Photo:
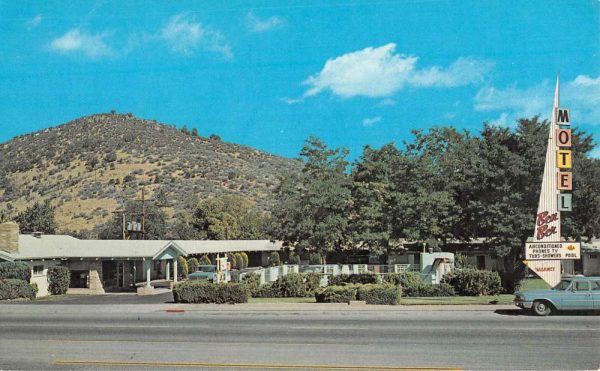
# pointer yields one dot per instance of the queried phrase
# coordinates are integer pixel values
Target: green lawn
(458, 300)
(451, 300)
(529, 284)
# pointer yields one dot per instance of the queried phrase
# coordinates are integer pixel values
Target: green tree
(369, 219)
(227, 218)
(195, 132)
(312, 208)
(37, 218)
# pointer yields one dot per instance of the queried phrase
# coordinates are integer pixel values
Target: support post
(168, 273)
(175, 270)
(148, 267)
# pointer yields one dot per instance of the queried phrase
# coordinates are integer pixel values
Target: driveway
(112, 298)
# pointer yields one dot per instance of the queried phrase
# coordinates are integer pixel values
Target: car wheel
(542, 308)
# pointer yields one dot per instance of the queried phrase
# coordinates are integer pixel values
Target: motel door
(120, 275)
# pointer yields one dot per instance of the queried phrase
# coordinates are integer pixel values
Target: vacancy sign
(548, 270)
(552, 250)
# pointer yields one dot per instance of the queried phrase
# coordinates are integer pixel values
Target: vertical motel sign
(564, 160)
(546, 251)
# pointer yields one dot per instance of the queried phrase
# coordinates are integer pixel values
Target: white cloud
(387, 102)
(292, 100)
(381, 72)
(370, 121)
(256, 24)
(581, 96)
(76, 40)
(34, 22)
(184, 34)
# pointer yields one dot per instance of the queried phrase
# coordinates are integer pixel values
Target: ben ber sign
(552, 250)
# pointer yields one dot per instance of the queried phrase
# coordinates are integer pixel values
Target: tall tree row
(443, 185)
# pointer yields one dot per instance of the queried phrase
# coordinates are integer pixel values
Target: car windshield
(562, 285)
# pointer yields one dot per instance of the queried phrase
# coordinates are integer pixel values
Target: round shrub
(15, 270)
(193, 265)
(204, 260)
(383, 294)
(58, 280)
(252, 281)
(244, 259)
(182, 267)
(337, 294)
(315, 259)
(312, 282)
(239, 261)
(15, 289)
(290, 286)
(293, 259)
(473, 282)
(274, 259)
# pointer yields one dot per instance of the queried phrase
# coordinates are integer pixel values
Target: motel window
(593, 256)
(38, 269)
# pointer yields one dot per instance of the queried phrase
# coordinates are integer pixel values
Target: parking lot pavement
(111, 298)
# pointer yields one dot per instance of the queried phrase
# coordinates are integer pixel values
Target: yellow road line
(242, 365)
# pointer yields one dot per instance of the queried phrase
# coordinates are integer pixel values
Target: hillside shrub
(473, 282)
(252, 282)
(342, 279)
(382, 294)
(15, 270)
(15, 288)
(58, 280)
(337, 294)
(193, 265)
(207, 292)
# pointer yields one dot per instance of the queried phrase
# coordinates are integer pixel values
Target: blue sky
(269, 74)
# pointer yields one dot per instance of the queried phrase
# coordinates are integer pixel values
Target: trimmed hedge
(364, 278)
(383, 294)
(292, 285)
(312, 282)
(59, 278)
(413, 285)
(208, 292)
(14, 289)
(337, 294)
(252, 282)
(473, 282)
(266, 291)
(15, 270)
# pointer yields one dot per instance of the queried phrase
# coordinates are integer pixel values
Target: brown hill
(87, 166)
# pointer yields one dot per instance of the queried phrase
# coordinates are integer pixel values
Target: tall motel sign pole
(545, 253)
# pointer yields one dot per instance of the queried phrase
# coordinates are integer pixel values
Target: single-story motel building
(99, 266)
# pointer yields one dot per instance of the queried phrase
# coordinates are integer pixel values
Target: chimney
(9, 237)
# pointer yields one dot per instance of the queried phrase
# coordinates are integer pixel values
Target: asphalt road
(149, 337)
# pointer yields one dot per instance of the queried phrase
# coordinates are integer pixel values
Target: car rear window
(595, 285)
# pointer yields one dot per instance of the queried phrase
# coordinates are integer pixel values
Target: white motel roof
(67, 247)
